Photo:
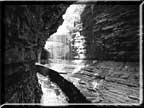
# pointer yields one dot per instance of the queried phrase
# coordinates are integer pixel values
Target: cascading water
(67, 53)
(67, 45)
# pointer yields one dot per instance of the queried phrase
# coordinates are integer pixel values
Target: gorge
(88, 49)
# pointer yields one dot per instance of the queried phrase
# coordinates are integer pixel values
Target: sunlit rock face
(66, 47)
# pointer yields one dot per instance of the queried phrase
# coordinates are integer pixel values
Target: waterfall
(67, 53)
(67, 45)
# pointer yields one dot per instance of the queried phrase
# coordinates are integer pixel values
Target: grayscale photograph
(56, 53)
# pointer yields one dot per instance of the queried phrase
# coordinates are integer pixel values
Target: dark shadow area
(22, 86)
(25, 27)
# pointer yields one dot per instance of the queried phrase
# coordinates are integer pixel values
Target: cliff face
(27, 27)
(112, 31)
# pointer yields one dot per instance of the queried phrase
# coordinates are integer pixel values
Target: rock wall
(27, 27)
(112, 31)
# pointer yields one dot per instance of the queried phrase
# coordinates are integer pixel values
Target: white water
(50, 97)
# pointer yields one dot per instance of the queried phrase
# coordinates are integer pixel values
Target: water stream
(67, 53)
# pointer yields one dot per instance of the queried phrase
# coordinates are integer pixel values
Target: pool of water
(66, 66)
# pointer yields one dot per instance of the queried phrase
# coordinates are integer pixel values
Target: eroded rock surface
(109, 82)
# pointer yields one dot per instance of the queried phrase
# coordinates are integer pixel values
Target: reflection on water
(65, 66)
